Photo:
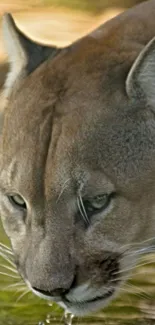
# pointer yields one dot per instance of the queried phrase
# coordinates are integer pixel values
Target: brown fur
(81, 124)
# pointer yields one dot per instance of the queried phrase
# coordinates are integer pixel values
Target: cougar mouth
(98, 298)
(82, 308)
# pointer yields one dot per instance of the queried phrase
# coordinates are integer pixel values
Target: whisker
(143, 294)
(125, 270)
(7, 259)
(8, 254)
(140, 272)
(10, 275)
(145, 263)
(4, 250)
(122, 278)
(146, 250)
(79, 207)
(13, 285)
(82, 209)
(22, 295)
(6, 247)
(21, 289)
(129, 292)
(137, 243)
(63, 189)
(134, 267)
(9, 268)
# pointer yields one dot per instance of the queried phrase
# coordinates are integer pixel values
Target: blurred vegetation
(95, 6)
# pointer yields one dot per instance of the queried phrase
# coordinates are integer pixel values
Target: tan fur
(80, 123)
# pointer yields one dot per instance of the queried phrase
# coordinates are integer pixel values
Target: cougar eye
(97, 204)
(17, 201)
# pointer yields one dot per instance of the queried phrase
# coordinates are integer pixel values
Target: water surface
(135, 305)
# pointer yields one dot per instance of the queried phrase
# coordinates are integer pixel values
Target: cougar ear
(141, 78)
(24, 54)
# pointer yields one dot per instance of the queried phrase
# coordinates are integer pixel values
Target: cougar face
(77, 160)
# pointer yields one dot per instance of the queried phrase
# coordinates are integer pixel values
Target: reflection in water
(68, 318)
(48, 319)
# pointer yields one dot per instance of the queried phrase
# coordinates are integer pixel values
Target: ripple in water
(67, 319)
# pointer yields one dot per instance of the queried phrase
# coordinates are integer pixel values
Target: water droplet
(48, 317)
(50, 304)
(68, 317)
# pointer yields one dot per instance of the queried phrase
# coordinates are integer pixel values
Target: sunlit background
(61, 22)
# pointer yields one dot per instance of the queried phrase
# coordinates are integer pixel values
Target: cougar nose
(57, 293)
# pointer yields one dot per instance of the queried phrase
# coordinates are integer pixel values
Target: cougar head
(77, 165)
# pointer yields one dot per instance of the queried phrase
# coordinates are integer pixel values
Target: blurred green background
(61, 21)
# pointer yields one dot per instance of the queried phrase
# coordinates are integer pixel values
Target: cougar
(77, 158)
